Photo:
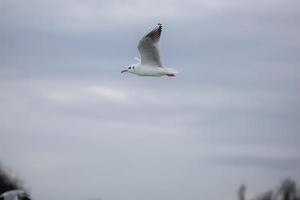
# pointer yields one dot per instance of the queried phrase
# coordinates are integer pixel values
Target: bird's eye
(129, 68)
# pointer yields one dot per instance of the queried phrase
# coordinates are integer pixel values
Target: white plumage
(150, 63)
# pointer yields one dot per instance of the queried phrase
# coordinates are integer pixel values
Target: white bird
(150, 63)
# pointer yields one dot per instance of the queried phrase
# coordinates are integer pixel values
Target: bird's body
(150, 63)
(146, 70)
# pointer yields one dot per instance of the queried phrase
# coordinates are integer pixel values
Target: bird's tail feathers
(171, 70)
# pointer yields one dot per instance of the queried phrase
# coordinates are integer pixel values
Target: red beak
(125, 70)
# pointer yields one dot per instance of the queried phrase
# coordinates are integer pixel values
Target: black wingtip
(159, 27)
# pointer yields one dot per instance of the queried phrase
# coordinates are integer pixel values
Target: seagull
(150, 63)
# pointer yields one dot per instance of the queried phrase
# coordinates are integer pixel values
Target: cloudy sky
(72, 127)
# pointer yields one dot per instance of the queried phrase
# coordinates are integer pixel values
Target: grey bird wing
(148, 48)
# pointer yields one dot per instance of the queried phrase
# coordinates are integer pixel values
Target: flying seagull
(150, 63)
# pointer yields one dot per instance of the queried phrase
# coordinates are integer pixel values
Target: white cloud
(109, 93)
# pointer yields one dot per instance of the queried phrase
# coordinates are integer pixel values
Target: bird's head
(129, 69)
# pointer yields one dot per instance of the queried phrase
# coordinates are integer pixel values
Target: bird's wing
(148, 48)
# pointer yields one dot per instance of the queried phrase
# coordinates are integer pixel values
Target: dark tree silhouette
(8, 182)
(242, 192)
(288, 189)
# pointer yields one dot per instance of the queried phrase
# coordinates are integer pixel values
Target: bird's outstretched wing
(148, 47)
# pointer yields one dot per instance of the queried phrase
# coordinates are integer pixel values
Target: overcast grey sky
(74, 128)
